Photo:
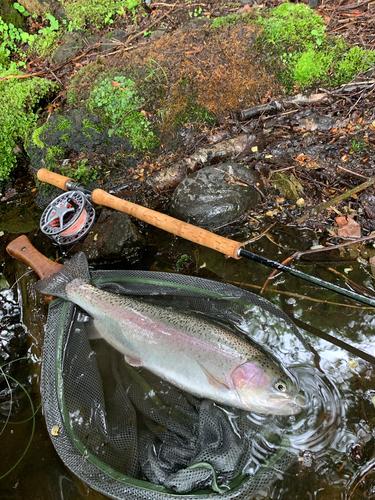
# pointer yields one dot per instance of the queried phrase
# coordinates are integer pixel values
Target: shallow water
(333, 437)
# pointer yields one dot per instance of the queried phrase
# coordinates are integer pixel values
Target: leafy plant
(45, 43)
(82, 172)
(98, 13)
(118, 103)
(21, 9)
(19, 100)
(10, 36)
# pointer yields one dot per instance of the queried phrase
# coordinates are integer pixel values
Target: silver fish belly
(189, 351)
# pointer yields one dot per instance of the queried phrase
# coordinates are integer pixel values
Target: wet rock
(114, 236)
(113, 38)
(216, 195)
(170, 178)
(76, 131)
(316, 121)
(71, 43)
(9, 14)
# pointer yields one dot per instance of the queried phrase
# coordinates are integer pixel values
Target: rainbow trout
(190, 352)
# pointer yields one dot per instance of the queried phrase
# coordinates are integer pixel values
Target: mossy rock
(10, 15)
(78, 132)
(38, 7)
(71, 43)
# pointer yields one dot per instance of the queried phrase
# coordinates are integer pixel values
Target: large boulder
(114, 236)
(217, 195)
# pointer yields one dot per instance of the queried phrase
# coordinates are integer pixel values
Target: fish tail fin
(55, 285)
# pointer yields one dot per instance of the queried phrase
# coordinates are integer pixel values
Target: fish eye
(280, 386)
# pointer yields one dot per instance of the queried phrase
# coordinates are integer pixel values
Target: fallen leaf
(347, 227)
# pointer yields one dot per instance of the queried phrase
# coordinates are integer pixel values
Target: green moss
(82, 171)
(98, 13)
(220, 22)
(54, 154)
(84, 81)
(93, 126)
(19, 100)
(292, 25)
(353, 62)
(65, 137)
(36, 136)
(72, 97)
(64, 124)
(116, 102)
(302, 53)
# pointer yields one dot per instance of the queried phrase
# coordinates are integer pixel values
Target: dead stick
(353, 173)
(353, 5)
(259, 235)
(339, 198)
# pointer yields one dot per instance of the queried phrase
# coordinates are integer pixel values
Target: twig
(56, 78)
(352, 173)
(131, 38)
(362, 475)
(259, 235)
(298, 296)
(338, 199)
(353, 284)
(318, 250)
(353, 5)
(56, 68)
(276, 106)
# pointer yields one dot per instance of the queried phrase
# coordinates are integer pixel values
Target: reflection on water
(333, 437)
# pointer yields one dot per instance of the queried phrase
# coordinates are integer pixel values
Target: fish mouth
(288, 406)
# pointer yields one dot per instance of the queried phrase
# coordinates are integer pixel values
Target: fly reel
(68, 218)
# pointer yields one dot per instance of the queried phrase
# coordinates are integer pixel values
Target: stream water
(333, 438)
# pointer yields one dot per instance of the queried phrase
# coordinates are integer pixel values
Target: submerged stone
(71, 43)
(114, 236)
(216, 195)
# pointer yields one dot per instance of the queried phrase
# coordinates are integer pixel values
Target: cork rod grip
(57, 180)
(162, 221)
(170, 224)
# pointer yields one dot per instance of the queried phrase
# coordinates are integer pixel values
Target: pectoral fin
(133, 361)
(215, 382)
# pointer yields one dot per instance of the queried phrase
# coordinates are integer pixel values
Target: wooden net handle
(162, 221)
(22, 249)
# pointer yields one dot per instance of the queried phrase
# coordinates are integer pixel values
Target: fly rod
(70, 216)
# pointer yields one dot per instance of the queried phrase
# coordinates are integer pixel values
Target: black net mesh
(131, 435)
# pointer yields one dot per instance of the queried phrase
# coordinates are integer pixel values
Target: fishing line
(11, 400)
(32, 411)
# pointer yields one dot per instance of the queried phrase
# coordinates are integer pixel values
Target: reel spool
(68, 218)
